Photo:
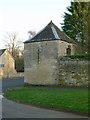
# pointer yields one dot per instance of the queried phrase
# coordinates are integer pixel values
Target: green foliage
(80, 56)
(62, 99)
(19, 64)
(76, 23)
(89, 29)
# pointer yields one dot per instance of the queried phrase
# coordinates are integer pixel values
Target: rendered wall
(9, 65)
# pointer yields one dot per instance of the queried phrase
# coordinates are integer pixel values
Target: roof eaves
(2, 51)
(43, 40)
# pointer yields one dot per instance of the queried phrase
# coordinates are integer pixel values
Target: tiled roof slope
(2, 51)
(49, 33)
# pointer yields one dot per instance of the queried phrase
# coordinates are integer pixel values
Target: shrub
(80, 56)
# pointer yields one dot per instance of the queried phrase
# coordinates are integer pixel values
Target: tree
(31, 34)
(76, 23)
(13, 44)
(89, 28)
(19, 64)
(15, 47)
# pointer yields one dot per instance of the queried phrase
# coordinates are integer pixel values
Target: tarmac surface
(12, 109)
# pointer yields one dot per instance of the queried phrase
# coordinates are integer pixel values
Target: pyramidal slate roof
(2, 51)
(49, 33)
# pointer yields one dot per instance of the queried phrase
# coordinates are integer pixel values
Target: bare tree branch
(13, 43)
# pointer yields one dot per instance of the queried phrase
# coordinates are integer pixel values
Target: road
(10, 83)
(12, 109)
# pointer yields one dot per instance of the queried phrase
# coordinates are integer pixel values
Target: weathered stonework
(73, 72)
(41, 67)
(41, 55)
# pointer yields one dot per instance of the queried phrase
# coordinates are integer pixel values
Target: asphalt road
(10, 83)
(12, 109)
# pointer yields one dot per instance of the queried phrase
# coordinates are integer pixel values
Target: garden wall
(73, 72)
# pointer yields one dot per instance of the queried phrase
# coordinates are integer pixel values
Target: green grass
(75, 100)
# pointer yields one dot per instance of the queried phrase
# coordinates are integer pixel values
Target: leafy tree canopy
(76, 22)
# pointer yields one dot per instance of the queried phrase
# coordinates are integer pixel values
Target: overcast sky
(23, 15)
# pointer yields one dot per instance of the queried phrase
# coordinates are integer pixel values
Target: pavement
(1, 106)
(12, 109)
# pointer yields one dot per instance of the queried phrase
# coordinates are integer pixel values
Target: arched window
(68, 50)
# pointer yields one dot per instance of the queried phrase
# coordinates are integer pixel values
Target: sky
(21, 16)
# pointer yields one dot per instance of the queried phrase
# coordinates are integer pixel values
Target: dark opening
(68, 50)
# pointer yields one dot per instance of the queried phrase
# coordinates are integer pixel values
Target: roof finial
(51, 21)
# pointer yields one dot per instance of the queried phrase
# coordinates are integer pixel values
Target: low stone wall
(73, 72)
(19, 74)
(16, 75)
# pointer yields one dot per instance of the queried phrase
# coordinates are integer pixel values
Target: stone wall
(62, 46)
(40, 62)
(73, 72)
(43, 64)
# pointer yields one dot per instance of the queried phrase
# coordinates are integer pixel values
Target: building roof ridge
(48, 33)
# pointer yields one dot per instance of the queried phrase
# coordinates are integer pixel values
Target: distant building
(7, 64)
(41, 54)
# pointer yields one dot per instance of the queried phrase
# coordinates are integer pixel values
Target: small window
(68, 50)
(1, 65)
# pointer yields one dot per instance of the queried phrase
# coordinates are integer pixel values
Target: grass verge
(75, 100)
